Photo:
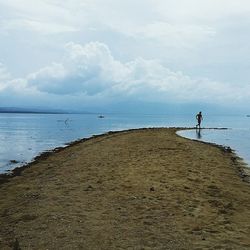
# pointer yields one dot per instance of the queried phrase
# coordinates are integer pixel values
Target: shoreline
(240, 164)
(142, 189)
(242, 167)
(4, 177)
(17, 171)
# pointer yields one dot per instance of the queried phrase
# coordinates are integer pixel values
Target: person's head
(200, 112)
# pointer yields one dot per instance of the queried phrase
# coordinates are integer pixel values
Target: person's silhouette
(199, 118)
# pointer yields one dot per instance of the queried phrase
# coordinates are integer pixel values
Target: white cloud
(176, 35)
(142, 46)
(42, 27)
(44, 17)
(166, 29)
(196, 11)
(88, 69)
(4, 77)
(164, 21)
(91, 70)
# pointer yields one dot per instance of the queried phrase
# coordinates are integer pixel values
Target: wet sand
(138, 189)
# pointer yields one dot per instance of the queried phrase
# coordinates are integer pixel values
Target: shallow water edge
(239, 164)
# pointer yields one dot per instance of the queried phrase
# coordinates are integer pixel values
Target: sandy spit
(138, 189)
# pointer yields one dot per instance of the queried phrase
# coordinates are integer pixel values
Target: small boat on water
(101, 116)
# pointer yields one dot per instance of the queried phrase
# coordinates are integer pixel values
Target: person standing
(199, 118)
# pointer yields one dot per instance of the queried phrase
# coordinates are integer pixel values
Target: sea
(25, 136)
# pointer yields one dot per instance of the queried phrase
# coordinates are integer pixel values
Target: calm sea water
(23, 136)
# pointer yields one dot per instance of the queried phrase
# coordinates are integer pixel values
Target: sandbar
(135, 189)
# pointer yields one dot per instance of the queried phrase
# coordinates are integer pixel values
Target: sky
(126, 55)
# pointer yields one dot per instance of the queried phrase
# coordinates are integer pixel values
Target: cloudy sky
(113, 54)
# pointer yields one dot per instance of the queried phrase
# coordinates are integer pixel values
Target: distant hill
(31, 110)
(40, 111)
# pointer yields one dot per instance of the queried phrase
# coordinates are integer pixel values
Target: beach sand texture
(139, 189)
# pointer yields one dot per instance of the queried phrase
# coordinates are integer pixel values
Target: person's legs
(199, 124)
